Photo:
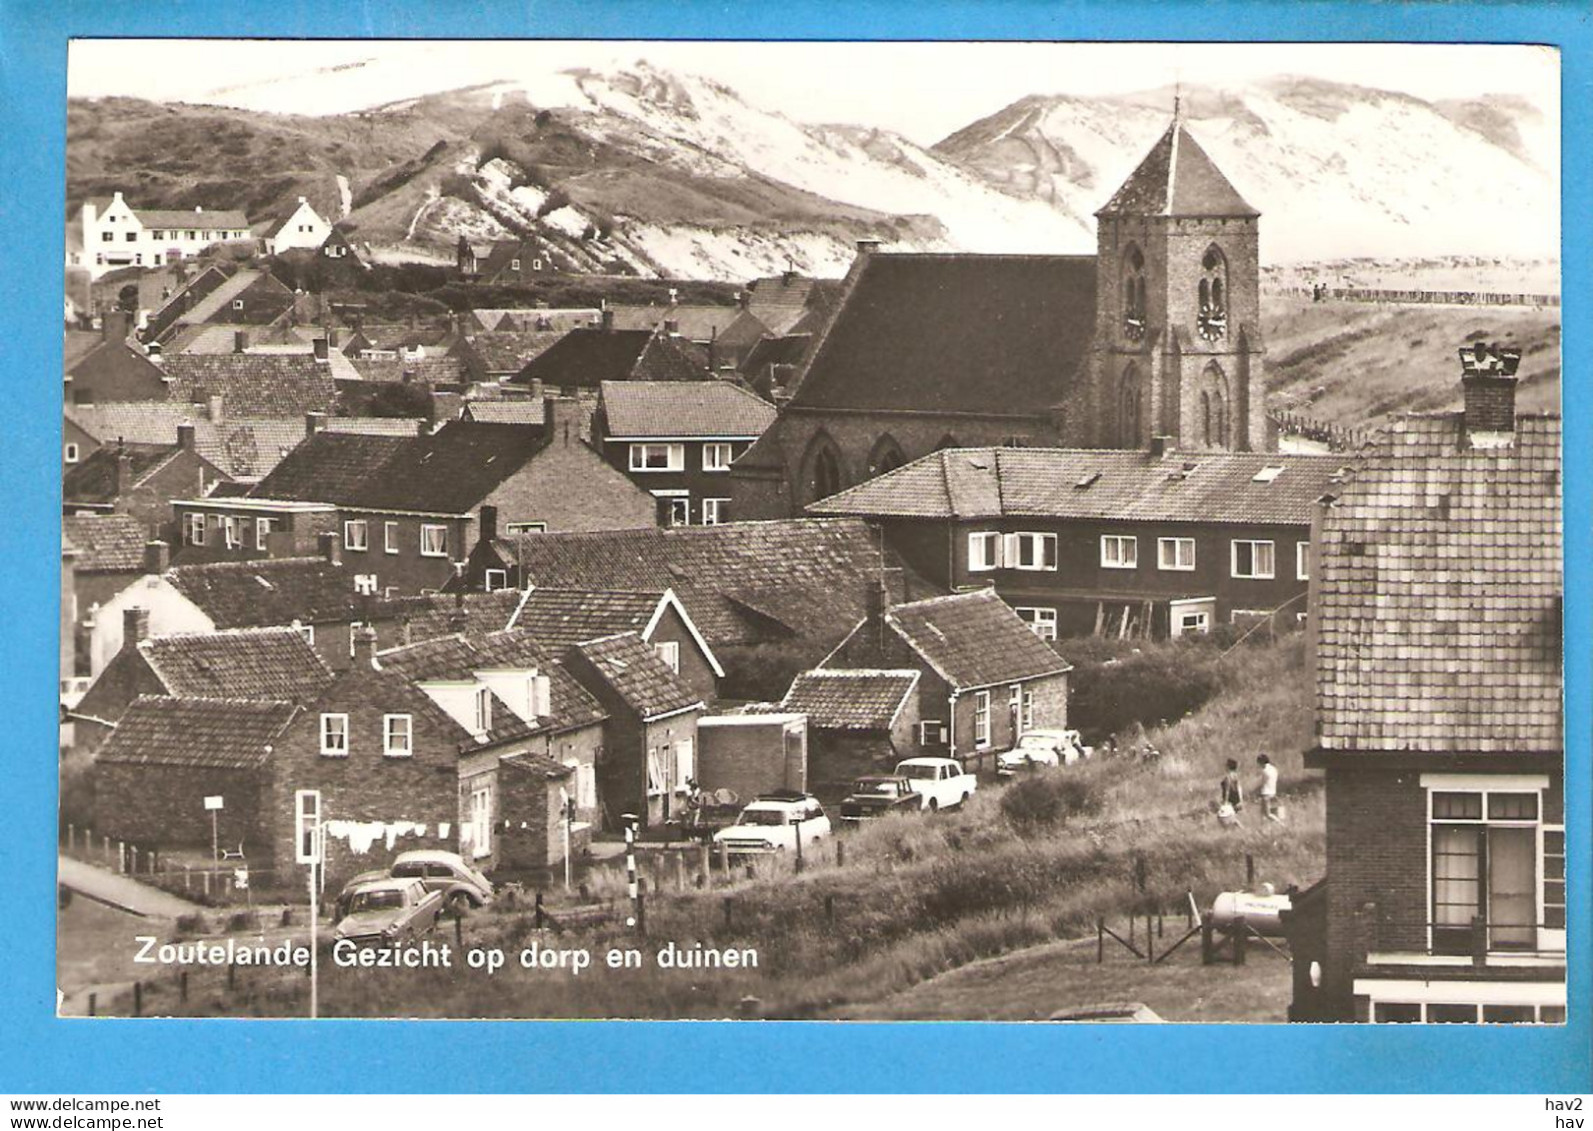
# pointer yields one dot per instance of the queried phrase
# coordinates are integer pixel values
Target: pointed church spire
(1177, 178)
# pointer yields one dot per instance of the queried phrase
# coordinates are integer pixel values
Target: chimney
(867, 247)
(157, 558)
(320, 347)
(365, 646)
(331, 338)
(240, 341)
(560, 417)
(326, 545)
(489, 523)
(788, 276)
(608, 321)
(458, 618)
(1161, 446)
(744, 298)
(674, 296)
(124, 473)
(185, 436)
(1488, 380)
(874, 602)
(135, 626)
(303, 201)
(116, 198)
(213, 409)
(671, 328)
(314, 422)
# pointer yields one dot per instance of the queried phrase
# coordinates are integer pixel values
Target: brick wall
(748, 758)
(694, 669)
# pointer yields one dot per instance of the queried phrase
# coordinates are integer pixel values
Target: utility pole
(630, 820)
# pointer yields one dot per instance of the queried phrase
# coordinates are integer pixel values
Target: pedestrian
(1269, 788)
(1231, 796)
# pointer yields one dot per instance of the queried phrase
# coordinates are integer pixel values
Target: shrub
(191, 925)
(1154, 684)
(1045, 800)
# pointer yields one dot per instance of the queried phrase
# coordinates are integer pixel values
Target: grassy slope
(916, 897)
(1355, 364)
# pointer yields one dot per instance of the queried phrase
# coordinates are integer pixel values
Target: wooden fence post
(707, 865)
(1250, 869)
(459, 932)
(829, 908)
(1100, 940)
(138, 999)
(93, 1004)
(641, 913)
(182, 986)
(840, 853)
(728, 904)
(540, 917)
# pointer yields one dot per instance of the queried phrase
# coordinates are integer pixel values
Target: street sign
(215, 802)
(307, 826)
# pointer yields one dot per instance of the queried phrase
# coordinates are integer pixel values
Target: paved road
(122, 892)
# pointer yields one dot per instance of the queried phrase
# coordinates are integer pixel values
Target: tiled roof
(850, 699)
(588, 357)
(374, 425)
(698, 322)
(535, 318)
(249, 663)
(450, 470)
(1438, 595)
(160, 730)
(77, 344)
(428, 370)
(247, 449)
(670, 359)
(537, 765)
(557, 618)
(229, 219)
(791, 349)
(93, 481)
(274, 591)
(329, 467)
(521, 410)
(501, 351)
(683, 409)
(974, 639)
(781, 300)
(135, 422)
(275, 385)
(816, 572)
(1126, 486)
(242, 280)
(1176, 178)
(936, 333)
(106, 543)
(431, 616)
(637, 675)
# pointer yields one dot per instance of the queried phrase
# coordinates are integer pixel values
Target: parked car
(775, 822)
(874, 795)
(461, 886)
(1111, 1012)
(386, 911)
(941, 782)
(1037, 748)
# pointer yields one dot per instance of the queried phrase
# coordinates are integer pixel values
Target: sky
(923, 90)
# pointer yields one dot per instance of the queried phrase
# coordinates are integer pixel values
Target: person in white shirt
(1269, 788)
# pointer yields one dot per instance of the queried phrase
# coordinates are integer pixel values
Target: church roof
(1177, 178)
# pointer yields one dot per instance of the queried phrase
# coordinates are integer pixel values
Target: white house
(111, 233)
(304, 228)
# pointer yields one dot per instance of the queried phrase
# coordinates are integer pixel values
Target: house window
(685, 764)
(514, 265)
(1252, 559)
(237, 304)
(658, 457)
(193, 235)
(196, 530)
(1186, 621)
(497, 579)
(1175, 553)
(481, 821)
(1119, 551)
(71, 453)
(1302, 560)
(932, 732)
(334, 736)
(1465, 1013)
(669, 652)
(514, 528)
(680, 511)
(262, 531)
(1028, 710)
(981, 719)
(107, 237)
(1485, 868)
(131, 237)
(1030, 551)
(398, 736)
(158, 234)
(356, 535)
(714, 511)
(716, 457)
(231, 532)
(390, 537)
(655, 773)
(536, 265)
(433, 541)
(1041, 619)
(483, 710)
(984, 551)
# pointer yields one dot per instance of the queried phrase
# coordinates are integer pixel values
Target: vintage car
(461, 886)
(386, 911)
(941, 782)
(874, 795)
(775, 822)
(1036, 748)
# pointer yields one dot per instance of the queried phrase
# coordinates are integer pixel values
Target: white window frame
(398, 727)
(1041, 619)
(330, 749)
(928, 737)
(642, 457)
(679, 510)
(231, 532)
(669, 652)
(196, 528)
(1175, 564)
(1254, 544)
(515, 528)
(656, 778)
(356, 535)
(1035, 546)
(1119, 551)
(1027, 721)
(1302, 561)
(480, 821)
(496, 579)
(390, 536)
(483, 705)
(514, 265)
(685, 763)
(722, 453)
(71, 453)
(262, 531)
(237, 304)
(984, 551)
(981, 720)
(426, 529)
(713, 511)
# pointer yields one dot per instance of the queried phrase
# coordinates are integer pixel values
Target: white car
(775, 822)
(1037, 748)
(941, 782)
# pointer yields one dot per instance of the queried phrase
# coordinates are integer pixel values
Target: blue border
(39, 1053)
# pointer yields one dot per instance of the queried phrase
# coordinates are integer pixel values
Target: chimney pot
(314, 422)
(135, 626)
(608, 321)
(213, 409)
(240, 341)
(320, 347)
(671, 328)
(1488, 382)
(185, 436)
(489, 523)
(365, 646)
(1160, 446)
(867, 246)
(327, 546)
(124, 471)
(157, 557)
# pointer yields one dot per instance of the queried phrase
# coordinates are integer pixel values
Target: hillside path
(121, 892)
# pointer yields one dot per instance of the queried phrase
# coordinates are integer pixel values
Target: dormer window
(1212, 317)
(1134, 295)
(483, 710)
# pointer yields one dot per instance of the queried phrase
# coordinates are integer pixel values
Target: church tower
(1178, 340)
